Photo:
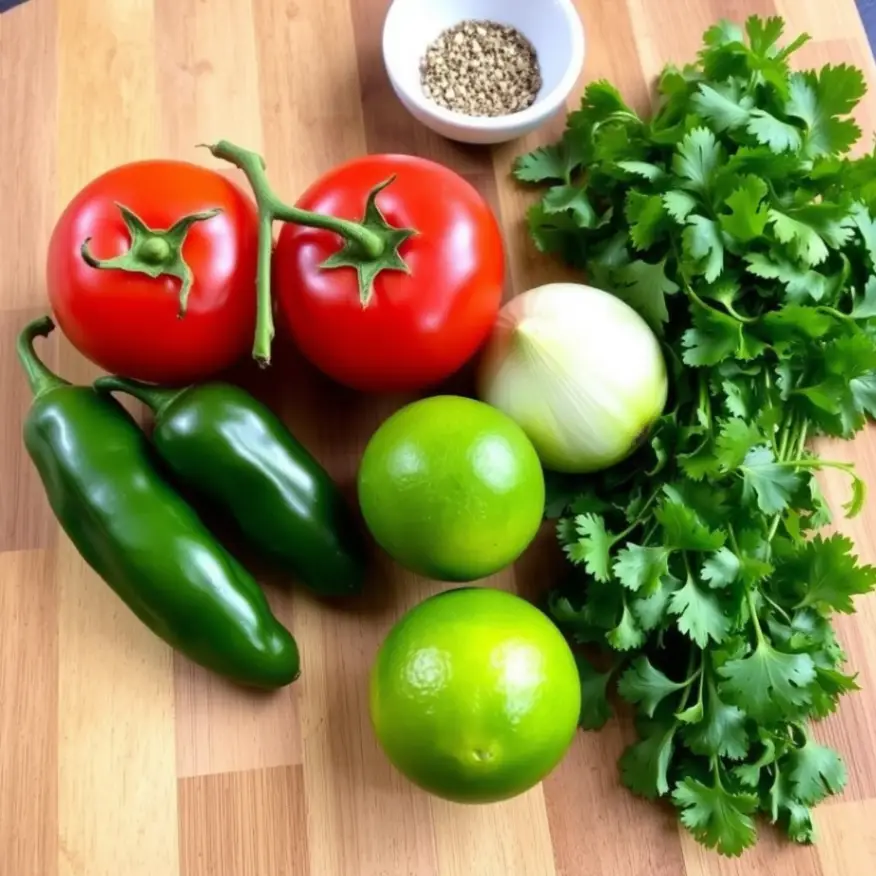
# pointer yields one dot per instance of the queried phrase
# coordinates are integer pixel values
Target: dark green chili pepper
(133, 529)
(235, 454)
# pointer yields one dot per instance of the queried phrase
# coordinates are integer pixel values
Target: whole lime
(475, 695)
(451, 488)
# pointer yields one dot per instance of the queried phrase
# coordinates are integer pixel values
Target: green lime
(451, 488)
(475, 695)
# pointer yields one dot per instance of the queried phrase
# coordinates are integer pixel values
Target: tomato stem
(370, 246)
(152, 251)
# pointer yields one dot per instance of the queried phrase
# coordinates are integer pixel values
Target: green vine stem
(369, 246)
(154, 252)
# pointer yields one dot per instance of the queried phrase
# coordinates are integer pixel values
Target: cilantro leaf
(714, 337)
(717, 817)
(679, 205)
(650, 611)
(762, 161)
(764, 33)
(748, 774)
(641, 568)
(824, 574)
(722, 33)
(867, 229)
(819, 99)
(720, 569)
(736, 438)
(785, 807)
(642, 684)
(697, 160)
(866, 308)
(831, 684)
(699, 614)
(602, 102)
(779, 136)
(768, 684)
(644, 169)
(800, 283)
(748, 215)
(644, 765)
(724, 110)
(551, 232)
(683, 529)
(644, 286)
(768, 480)
(646, 215)
(815, 772)
(571, 198)
(595, 709)
(586, 623)
(703, 245)
(627, 634)
(542, 164)
(787, 325)
(804, 240)
(592, 546)
(722, 732)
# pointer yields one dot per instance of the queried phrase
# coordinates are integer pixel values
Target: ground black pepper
(481, 68)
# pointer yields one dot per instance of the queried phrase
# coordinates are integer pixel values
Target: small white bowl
(552, 26)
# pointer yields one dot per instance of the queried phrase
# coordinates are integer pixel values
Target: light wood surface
(118, 757)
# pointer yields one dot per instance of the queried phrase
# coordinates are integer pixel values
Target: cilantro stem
(768, 395)
(774, 526)
(789, 439)
(649, 534)
(776, 606)
(687, 568)
(752, 610)
(690, 677)
(706, 403)
(733, 543)
(801, 441)
(702, 674)
(786, 437)
(716, 772)
(643, 513)
(688, 290)
(817, 464)
(838, 314)
(747, 320)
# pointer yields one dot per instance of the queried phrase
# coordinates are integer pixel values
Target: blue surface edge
(867, 8)
(6, 5)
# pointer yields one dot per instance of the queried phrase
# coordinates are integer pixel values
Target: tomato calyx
(153, 252)
(370, 245)
(387, 256)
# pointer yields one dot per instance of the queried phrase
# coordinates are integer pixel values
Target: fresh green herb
(735, 222)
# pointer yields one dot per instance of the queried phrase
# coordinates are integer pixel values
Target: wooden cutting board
(118, 758)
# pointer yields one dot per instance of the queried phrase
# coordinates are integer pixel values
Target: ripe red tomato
(130, 323)
(417, 327)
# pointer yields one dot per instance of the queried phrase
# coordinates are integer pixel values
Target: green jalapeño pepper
(231, 451)
(148, 545)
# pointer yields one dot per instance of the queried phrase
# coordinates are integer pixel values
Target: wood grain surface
(119, 757)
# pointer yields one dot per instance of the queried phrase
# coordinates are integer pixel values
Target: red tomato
(417, 328)
(129, 323)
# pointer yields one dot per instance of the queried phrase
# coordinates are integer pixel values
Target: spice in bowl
(481, 68)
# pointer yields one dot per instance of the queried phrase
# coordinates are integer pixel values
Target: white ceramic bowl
(552, 26)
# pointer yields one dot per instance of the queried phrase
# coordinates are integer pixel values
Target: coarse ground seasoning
(481, 68)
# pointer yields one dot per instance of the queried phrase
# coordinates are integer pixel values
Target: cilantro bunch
(735, 222)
